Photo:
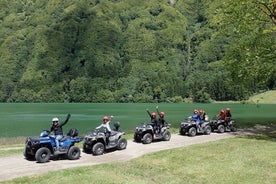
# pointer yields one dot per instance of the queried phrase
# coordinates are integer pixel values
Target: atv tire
(233, 128)
(147, 138)
(98, 149)
(192, 131)
(73, 153)
(207, 130)
(221, 128)
(42, 155)
(182, 132)
(137, 138)
(166, 136)
(122, 144)
(28, 156)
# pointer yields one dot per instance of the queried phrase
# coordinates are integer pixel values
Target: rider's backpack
(73, 132)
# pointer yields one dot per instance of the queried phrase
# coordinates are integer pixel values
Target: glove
(68, 116)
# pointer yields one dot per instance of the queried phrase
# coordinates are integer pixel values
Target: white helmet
(55, 119)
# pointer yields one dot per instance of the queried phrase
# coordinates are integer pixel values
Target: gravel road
(17, 166)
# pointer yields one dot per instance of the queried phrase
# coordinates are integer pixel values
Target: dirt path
(16, 166)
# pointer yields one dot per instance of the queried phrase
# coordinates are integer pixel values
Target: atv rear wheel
(221, 128)
(122, 144)
(98, 149)
(73, 153)
(192, 131)
(233, 128)
(147, 138)
(208, 130)
(167, 136)
(42, 155)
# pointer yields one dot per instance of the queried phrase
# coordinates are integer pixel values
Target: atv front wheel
(122, 144)
(192, 131)
(167, 136)
(28, 156)
(182, 131)
(42, 155)
(98, 149)
(221, 128)
(147, 138)
(137, 138)
(73, 153)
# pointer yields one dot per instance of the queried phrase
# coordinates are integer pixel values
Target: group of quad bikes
(42, 148)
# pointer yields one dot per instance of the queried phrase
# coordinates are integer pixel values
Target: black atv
(223, 126)
(189, 127)
(95, 142)
(145, 133)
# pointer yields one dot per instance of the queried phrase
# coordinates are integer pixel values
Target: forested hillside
(136, 50)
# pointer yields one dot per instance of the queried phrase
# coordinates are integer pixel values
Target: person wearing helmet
(228, 116)
(153, 121)
(196, 118)
(57, 129)
(161, 120)
(106, 125)
(221, 115)
(228, 113)
(202, 115)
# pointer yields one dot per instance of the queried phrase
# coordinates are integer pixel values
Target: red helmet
(105, 118)
(195, 111)
(162, 114)
(153, 115)
(222, 111)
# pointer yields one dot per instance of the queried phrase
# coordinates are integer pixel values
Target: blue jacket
(196, 118)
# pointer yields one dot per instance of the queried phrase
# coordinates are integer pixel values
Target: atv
(145, 133)
(190, 127)
(95, 142)
(41, 148)
(223, 126)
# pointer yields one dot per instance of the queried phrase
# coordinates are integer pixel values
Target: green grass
(244, 160)
(268, 97)
(29, 119)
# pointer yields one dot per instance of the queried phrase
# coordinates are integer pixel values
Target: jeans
(57, 138)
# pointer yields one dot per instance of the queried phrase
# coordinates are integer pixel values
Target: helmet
(162, 114)
(227, 109)
(222, 111)
(105, 118)
(55, 119)
(195, 111)
(153, 115)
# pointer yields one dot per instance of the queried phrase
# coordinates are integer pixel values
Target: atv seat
(113, 133)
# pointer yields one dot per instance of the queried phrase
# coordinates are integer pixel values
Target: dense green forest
(136, 50)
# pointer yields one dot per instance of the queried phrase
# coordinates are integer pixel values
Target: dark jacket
(57, 129)
(153, 121)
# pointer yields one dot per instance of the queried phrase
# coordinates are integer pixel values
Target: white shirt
(105, 125)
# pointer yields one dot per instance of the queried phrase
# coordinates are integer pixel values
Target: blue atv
(41, 148)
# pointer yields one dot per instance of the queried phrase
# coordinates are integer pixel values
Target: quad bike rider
(223, 122)
(104, 138)
(155, 130)
(195, 125)
(42, 147)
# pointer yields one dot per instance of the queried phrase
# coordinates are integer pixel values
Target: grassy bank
(236, 160)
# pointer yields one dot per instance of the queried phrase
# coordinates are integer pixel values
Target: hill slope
(268, 97)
